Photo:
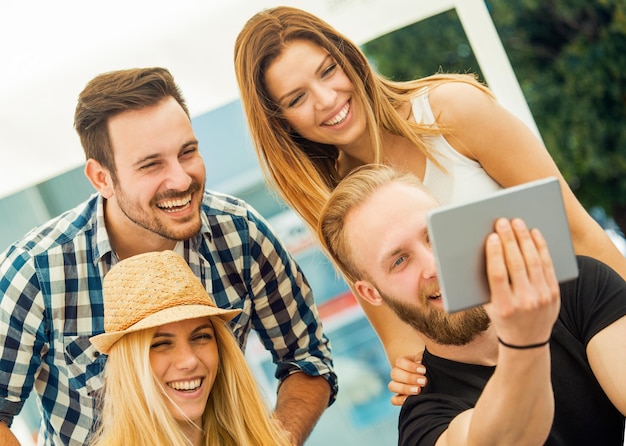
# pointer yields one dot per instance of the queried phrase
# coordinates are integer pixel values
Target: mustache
(173, 194)
(429, 290)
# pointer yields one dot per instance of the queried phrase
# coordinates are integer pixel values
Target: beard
(444, 328)
(150, 220)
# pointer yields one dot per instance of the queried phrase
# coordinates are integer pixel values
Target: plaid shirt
(51, 303)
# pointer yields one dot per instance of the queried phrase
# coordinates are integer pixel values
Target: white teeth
(185, 385)
(168, 204)
(340, 116)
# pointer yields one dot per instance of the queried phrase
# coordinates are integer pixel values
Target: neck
(192, 432)
(482, 350)
(396, 150)
(128, 239)
(361, 152)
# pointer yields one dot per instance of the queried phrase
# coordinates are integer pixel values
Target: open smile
(186, 386)
(339, 117)
(436, 296)
(175, 205)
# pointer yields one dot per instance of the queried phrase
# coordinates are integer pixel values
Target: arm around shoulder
(399, 339)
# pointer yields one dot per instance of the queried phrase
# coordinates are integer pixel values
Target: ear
(99, 177)
(368, 292)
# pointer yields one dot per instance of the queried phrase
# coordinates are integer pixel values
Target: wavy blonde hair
(134, 411)
(301, 171)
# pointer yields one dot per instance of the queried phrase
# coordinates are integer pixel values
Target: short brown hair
(112, 93)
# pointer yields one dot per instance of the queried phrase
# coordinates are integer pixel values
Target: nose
(185, 357)
(427, 261)
(325, 96)
(177, 177)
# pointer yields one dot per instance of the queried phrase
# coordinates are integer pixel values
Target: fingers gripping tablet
(458, 233)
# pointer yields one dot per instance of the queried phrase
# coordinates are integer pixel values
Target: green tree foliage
(570, 60)
(437, 44)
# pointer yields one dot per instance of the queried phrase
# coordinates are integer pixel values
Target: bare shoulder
(457, 102)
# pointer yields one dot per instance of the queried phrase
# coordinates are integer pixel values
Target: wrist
(524, 347)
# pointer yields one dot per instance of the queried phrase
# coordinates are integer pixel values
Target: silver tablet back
(458, 232)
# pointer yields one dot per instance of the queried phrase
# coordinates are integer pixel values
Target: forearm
(300, 403)
(399, 339)
(516, 406)
(6, 436)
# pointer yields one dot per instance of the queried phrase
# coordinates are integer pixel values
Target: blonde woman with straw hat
(175, 374)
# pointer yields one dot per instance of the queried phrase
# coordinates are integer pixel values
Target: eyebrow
(154, 156)
(390, 255)
(396, 250)
(319, 68)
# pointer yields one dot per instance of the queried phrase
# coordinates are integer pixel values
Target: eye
(189, 151)
(399, 261)
(329, 70)
(148, 166)
(160, 344)
(295, 101)
(203, 337)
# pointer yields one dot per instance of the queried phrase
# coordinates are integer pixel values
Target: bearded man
(542, 363)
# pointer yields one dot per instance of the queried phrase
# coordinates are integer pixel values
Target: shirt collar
(101, 244)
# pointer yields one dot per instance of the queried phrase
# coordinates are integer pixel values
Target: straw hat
(149, 290)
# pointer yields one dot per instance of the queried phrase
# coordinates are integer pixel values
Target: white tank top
(463, 179)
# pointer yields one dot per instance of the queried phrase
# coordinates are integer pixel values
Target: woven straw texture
(149, 290)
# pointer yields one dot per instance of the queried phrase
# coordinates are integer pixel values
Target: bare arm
(398, 338)
(517, 405)
(301, 401)
(403, 346)
(408, 377)
(606, 353)
(508, 150)
(486, 132)
(6, 436)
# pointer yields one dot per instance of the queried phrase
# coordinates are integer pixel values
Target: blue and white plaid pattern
(51, 303)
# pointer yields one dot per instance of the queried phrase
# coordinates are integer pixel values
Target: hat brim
(103, 342)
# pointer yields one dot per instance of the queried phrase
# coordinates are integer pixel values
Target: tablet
(458, 233)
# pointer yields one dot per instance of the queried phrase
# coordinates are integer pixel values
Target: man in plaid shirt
(143, 159)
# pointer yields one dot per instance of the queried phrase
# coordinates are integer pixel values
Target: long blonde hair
(304, 172)
(134, 412)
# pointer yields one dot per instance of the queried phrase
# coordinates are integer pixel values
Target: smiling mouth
(339, 117)
(175, 205)
(435, 296)
(186, 386)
